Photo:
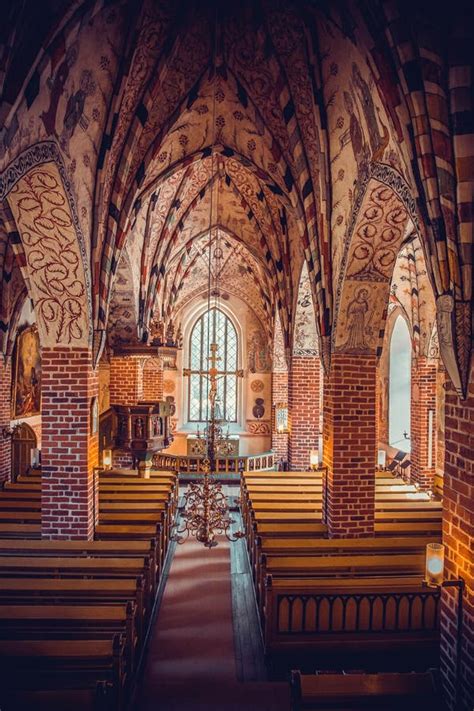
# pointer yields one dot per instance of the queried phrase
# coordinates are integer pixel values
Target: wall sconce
(434, 577)
(107, 459)
(434, 566)
(314, 459)
(281, 418)
(381, 459)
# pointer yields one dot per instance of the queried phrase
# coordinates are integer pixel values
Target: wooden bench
(337, 566)
(33, 664)
(77, 591)
(72, 621)
(123, 548)
(99, 698)
(274, 546)
(409, 528)
(384, 692)
(358, 622)
(20, 530)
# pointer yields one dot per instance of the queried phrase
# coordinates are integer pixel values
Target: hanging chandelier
(206, 512)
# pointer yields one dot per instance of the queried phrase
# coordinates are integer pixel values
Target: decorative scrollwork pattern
(43, 216)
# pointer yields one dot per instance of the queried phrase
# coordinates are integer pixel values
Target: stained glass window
(213, 327)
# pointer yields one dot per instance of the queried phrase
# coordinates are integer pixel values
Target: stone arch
(45, 233)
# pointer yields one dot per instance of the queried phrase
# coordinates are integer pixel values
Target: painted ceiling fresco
(330, 137)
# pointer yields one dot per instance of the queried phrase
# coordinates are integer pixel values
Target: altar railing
(227, 465)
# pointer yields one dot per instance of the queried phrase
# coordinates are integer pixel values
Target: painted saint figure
(356, 315)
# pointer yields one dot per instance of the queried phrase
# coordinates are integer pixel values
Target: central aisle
(190, 661)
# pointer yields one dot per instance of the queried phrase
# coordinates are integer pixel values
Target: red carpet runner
(190, 664)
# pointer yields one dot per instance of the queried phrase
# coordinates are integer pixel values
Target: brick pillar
(279, 396)
(126, 380)
(69, 448)
(303, 410)
(153, 380)
(458, 537)
(349, 444)
(5, 414)
(423, 401)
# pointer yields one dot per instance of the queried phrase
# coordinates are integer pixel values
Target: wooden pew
(384, 692)
(274, 546)
(63, 567)
(33, 664)
(99, 698)
(77, 591)
(371, 622)
(72, 621)
(340, 566)
(124, 548)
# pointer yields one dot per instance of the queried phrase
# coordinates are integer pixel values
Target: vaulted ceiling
(320, 134)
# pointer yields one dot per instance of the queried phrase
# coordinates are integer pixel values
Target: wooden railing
(224, 465)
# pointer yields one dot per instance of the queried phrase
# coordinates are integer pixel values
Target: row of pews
(341, 603)
(74, 614)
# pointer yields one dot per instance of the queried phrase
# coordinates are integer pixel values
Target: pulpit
(143, 430)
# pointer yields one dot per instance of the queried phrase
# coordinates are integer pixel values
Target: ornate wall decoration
(39, 195)
(259, 427)
(305, 337)
(258, 410)
(258, 353)
(375, 241)
(168, 386)
(27, 375)
(257, 386)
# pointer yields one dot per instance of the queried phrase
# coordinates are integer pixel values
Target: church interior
(236, 380)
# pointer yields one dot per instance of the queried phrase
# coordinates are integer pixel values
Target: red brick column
(349, 444)
(303, 410)
(126, 380)
(423, 400)
(5, 414)
(153, 380)
(69, 448)
(458, 537)
(279, 396)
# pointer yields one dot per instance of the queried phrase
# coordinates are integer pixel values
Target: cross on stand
(213, 374)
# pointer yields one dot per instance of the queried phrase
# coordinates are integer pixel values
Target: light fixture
(314, 459)
(206, 511)
(381, 459)
(107, 459)
(434, 566)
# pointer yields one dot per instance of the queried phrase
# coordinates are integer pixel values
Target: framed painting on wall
(27, 380)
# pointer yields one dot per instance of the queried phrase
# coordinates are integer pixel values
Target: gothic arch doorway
(23, 441)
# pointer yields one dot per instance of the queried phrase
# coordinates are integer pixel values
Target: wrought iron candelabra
(206, 512)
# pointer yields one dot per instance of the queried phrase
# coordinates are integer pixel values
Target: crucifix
(213, 374)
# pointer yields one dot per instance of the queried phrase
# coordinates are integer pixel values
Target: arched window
(213, 327)
(400, 385)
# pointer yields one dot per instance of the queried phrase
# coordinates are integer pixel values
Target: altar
(195, 446)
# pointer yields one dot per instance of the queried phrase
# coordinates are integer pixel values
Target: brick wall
(5, 409)
(279, 395)
(69, 449)
(153, 380)
(121, 459)
(126, 380)
(303, 410)
(423, 399)
(458, 537)
(349, 444)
